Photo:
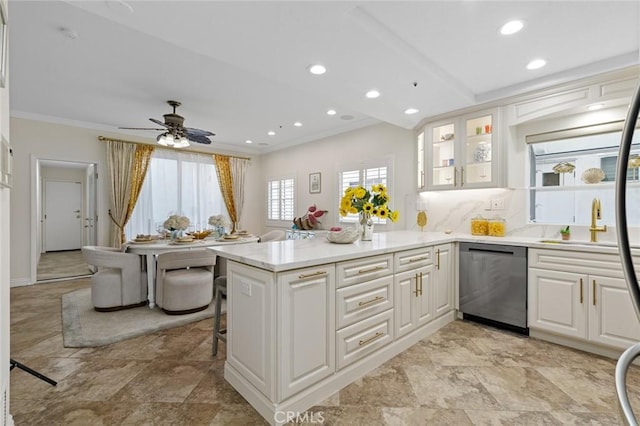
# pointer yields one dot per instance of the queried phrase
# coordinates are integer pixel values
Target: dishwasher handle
(493, 249)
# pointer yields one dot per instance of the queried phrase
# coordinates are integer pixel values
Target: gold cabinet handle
(303, 276)
(593, 288)
(368, 302)
(455, 176)
(420, 283)
(418, 259)
(581, 293)
(417, 290)
(370, 339)
(375, 268)
(461, 176)
(438, 259)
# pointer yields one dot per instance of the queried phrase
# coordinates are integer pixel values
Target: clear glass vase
(366, 223)
(176, 233)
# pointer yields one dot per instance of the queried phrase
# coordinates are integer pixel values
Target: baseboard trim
(20, 282)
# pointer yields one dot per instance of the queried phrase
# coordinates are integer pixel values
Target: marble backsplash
(453, 210)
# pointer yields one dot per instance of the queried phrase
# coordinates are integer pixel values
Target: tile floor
(465, 374)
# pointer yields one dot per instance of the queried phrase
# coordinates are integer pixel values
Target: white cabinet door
(306, 328)
(612, 318)
(558, 302)
(413, 306)
(442, 280)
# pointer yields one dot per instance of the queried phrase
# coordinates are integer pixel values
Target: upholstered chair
(184, 281)
(119, 281)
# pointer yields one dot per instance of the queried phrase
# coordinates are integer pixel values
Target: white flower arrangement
(219, 221)
(177, 223)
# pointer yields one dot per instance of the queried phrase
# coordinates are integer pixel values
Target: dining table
(151, 248)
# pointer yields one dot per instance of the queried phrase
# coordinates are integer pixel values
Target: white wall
(36, 140)
(5, 256)
(326, 156)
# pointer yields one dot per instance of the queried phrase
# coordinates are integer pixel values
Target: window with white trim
(366, 175)
(281, 199)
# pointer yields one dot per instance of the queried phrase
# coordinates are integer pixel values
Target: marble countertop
(293, 254)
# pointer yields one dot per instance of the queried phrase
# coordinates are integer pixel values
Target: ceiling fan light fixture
(181, 142)
(166, 139)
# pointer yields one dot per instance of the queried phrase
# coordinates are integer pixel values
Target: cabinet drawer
(360, 301)
(364, 337)
(413, 259)
(580, 262)
(365, 269)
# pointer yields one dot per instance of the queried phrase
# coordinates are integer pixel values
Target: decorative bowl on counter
(344, 236)
(592, 175)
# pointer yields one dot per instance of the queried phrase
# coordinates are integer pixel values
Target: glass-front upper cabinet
(460, 152)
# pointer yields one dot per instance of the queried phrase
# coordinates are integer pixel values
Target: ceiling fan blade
(140, 128)
(192, 131)
(197, 138)
(159, 122)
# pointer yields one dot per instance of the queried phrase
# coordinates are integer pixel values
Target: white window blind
(281, 199)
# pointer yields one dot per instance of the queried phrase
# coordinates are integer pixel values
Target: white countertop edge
(277, 256)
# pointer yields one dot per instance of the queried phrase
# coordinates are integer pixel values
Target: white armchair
(119, 281)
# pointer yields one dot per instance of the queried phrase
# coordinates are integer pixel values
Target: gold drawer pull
(594, 292)
(418, 259)
(375, 268)
(303, 276)
(581, 293)
(368, 302)
(370, 339)
(438, 259)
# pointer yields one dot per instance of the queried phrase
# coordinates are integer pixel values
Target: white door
(63, 215)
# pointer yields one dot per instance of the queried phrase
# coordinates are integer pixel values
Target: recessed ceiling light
(317, 69)
(331, 112)
(271, 133)
(536, 63)
(248, 141)
(297, 124)
(595, 107)
(410, 111)
(511, 27)
(372, 94)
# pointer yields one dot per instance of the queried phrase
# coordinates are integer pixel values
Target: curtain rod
(103, 138)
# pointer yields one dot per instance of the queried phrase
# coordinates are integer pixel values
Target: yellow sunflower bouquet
(372, 202)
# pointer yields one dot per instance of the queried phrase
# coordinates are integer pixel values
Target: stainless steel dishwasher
(493, 285)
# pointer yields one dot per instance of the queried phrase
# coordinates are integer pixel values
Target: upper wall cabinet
(460, 152)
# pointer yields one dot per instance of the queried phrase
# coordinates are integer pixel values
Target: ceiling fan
(175, 134)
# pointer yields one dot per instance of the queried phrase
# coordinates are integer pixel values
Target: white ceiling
(240, 68)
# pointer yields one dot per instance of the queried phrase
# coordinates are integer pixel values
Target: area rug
(82, 326)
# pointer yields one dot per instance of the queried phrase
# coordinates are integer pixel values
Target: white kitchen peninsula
(306, 317)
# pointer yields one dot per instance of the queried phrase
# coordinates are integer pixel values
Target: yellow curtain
(225, 180)
(128, 164)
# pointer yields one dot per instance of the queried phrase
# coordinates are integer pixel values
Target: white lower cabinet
(585, 305)
(443, 294)
(306, 327)
(413, 299)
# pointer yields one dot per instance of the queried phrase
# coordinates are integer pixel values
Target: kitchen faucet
(596, 214)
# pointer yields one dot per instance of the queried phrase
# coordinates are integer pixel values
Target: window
(560, 165)
(177, 183)
(281, 199)
(367, 175)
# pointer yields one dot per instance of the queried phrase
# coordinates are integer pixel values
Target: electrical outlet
(487, 205)
(497, 204)
(245, 288)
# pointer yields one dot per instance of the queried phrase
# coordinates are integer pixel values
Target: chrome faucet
(596, 214)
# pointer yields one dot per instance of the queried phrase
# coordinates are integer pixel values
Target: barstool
(220, 288)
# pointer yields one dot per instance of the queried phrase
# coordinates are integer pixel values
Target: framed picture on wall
(3, 45)
(314, 183)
